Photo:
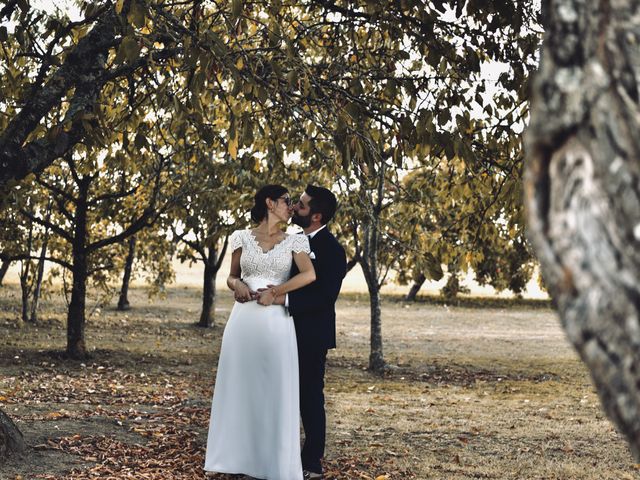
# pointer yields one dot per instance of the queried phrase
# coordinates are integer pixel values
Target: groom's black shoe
(311, 475)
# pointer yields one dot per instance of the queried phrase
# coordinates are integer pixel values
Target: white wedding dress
(255, 424)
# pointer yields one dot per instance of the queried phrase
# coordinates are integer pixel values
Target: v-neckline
(255, 240)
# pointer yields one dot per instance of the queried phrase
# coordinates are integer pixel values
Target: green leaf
(444, 117)
(292, 79)
(232, 141)
(19, 34)
(391, 88)
(397, 157)
(353, 109)
(449, 149)
(130, 49)
(207, 135)
(137, 15)
(236, 8)
(247, 131)
(433, 267)
(140, 141)
(197, 82)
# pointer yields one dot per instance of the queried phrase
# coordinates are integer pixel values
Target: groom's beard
(301, 221)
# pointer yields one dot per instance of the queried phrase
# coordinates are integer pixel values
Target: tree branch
(45, 223)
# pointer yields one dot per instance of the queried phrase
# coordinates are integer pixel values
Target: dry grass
(472, 392)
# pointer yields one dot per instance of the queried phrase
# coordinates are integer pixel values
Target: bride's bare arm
(242, 293)
(306, 276)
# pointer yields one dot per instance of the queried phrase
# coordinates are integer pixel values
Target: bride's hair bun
(259, 209)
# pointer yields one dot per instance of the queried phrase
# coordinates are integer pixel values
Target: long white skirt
(255, 424)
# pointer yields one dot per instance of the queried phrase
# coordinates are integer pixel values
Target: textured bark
(582, 190)
(209, 290)
(376, 355)
(123, 301)
(85, 72)
(11, 440)
(212, 262)
(4, 267)
(25, 286)
(83, 69)
(40, 274)
(25, 291)
(369, 264)
(415, 288)
(76, 314)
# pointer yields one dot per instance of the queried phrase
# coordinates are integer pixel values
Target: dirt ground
(492, 392)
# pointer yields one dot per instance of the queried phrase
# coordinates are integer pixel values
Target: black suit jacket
(313, 306)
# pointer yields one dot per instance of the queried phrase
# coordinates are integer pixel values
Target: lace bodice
(272, 267)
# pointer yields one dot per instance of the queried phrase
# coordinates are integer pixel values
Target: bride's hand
(267, 296)
(242, 293)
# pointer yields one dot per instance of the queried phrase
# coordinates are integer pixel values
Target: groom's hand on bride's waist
(279, 300)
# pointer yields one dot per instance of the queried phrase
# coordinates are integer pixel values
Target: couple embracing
(274, 347)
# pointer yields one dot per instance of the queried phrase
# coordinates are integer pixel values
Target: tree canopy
(391, 104)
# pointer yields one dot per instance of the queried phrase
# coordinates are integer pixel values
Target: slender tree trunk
(24, 289)
(3, 270)
(415, 288)
(582, 191)
(76, 315)
(209, 289)
(40, 274)
(11, 440)
(376, 356)
(123, 301)
(369, 266)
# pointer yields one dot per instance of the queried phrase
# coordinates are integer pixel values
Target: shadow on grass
(464, 301)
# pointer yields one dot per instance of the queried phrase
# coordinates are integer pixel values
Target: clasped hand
(243, 293)
(264, 296)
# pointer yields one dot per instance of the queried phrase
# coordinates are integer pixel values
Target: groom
(314, 315)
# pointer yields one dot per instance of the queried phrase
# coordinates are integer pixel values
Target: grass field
(487, 389)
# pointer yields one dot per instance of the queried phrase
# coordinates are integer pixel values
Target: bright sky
(68, 6)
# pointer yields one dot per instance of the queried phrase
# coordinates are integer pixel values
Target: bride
(254, 427)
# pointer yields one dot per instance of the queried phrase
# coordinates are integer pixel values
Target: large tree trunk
(415, 288)
(11, 440)
(583, 194)
(209, 289)
(76, 315)
(123, 301)
(3, 270)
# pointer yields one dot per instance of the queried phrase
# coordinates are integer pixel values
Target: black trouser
(312, 365)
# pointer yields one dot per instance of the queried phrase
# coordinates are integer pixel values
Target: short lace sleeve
(235, 240)
(300, 243)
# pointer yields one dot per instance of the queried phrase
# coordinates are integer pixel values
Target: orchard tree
(582, 191)
(340, 73)
(404, 101)
(468, 217)
(148, 255)
(211, 209)
(21, 240)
